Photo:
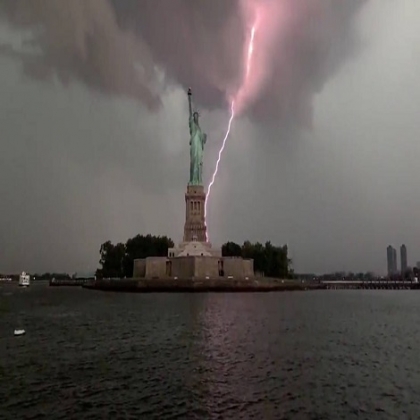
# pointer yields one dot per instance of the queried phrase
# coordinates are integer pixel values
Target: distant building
(403, 256)
(391, 257)
(394, 261)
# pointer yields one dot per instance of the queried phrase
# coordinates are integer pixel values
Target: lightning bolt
(250, 52)
(239, 93)
(216, 169)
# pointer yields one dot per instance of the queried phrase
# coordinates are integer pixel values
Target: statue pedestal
(194, 243)
(195, 227)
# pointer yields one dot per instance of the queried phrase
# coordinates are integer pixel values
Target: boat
(19, 332)
(24, 280)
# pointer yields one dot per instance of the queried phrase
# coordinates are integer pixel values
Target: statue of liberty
(197, 142)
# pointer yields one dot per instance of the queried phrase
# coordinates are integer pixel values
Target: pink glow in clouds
(260, 18)
(264, 22)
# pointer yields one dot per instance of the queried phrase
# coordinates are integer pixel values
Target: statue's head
(195, 116)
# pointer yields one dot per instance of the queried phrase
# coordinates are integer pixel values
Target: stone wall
(186, 249)
(238, 267)
(183, 267)
(193, 266)
(139, 269)
(206, 267)
(248, 265)
(156, 267)
(202, 285)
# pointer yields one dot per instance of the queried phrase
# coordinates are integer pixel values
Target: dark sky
(94, 142)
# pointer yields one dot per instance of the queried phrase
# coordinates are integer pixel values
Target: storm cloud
(116, 46)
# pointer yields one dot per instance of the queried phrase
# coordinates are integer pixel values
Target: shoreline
(191, 285)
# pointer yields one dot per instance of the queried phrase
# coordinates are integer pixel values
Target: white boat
(24, 279)
(19, 332)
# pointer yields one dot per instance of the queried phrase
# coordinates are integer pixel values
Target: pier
(371, 285)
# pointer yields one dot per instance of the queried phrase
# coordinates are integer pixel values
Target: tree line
(269, 260)
(116, 261)
(50, 276)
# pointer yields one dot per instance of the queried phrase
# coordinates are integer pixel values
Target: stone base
(194, 248)
(194, 257)
(195, 225)
(193, 267)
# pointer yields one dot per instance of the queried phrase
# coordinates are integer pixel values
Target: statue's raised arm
(190, 114)
(190, 102)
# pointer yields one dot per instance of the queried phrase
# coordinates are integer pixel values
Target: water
(300, 355)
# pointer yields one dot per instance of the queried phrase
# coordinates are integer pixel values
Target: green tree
(111, 261)
(142, 247)
(117, 260)
(231, 249)
(49, 276)
(270, 260)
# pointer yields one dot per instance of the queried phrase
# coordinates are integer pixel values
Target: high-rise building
(394, 261)
(391, 257)
(403, 256)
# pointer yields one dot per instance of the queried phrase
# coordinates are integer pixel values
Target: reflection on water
(326, 354)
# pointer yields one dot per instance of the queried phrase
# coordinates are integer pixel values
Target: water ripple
(324, 355)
